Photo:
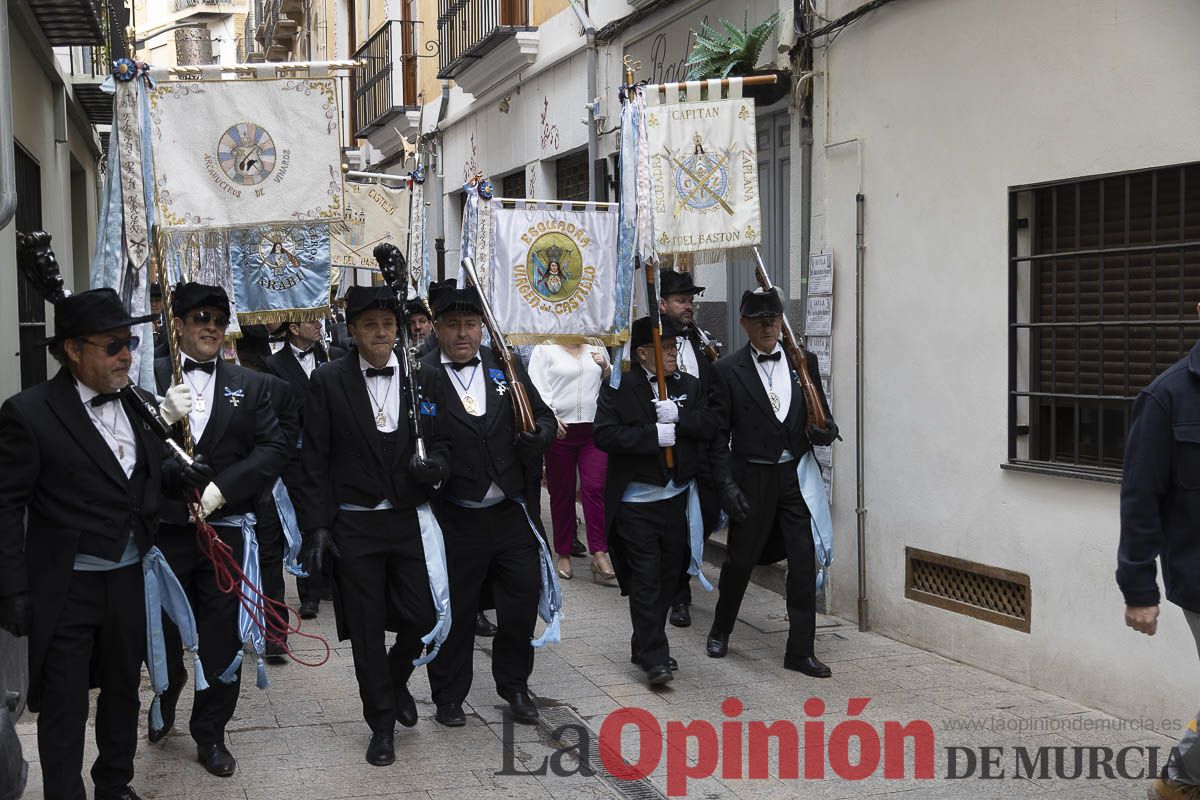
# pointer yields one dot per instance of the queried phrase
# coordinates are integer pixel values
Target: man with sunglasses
(80, 481)
(235, 429)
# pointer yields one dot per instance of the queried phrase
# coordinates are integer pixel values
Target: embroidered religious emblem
(470, 405)
(775, 402)
(246, 153)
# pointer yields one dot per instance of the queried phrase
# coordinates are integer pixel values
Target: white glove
(177, 404)
(666, 434)
(666, 410)
(211, 500)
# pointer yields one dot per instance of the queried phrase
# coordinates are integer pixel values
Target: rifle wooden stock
(656, 339)
(522, 408)
(796, 355)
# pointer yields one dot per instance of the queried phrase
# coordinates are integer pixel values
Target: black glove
(428, 471)
(312, 552)
(529, 445)
(823, 437)
(734, 502)
(198, 476)
(16, 614)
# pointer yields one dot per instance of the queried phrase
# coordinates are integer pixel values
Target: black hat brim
(128, 322)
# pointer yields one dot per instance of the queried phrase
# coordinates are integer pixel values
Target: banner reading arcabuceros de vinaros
(553, 274)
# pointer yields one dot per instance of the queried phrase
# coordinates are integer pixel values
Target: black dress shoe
(276, 653)
(718, 645)
(680, 617)
(382, 749)
(406, 707)
(671, 662)
(657, 676)
(126, 793)
(167, 707)
(309, 609)
(577, 548)
(451, 715)
(523, 709)
(216, 759)
(809, 666)
(484, 626)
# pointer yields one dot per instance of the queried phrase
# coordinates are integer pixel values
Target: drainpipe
(860, 510)
(8, 175)
(593, 145)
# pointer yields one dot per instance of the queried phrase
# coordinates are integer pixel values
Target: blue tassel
(233, 671)
(695, 570)
(553, 632)
(297, 570)
(262, 674)
(156, 720)
(198, 669)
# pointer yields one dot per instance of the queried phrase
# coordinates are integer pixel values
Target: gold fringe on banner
(274, 317)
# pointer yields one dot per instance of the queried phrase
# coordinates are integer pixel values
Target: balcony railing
(469, 28)
(71, 22)
(388, 84)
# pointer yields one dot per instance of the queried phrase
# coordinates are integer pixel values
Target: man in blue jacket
(1160, 519)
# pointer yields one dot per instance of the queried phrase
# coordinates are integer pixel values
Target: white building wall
(954, 101)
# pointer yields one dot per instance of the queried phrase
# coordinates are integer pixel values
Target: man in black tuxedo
(645, 501)
(677, 304)
(79, 500)
(235, 429)
(766, 419)
(492, 470)
(302, 352)
(365, 493)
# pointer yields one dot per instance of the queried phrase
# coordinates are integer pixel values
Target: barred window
(571, 176)
(1104, 278)
(513, 184)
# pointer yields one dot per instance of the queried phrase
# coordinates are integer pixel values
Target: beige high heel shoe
(602, 571)
(564, 567)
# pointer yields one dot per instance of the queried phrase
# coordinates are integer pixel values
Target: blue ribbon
(164, 594)
(812, 486)
(638, 492)
(291, 528)
(439, 583)
(251, 626)
(632, 117)
(550, 600)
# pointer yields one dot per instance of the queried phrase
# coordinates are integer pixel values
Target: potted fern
(734, 53)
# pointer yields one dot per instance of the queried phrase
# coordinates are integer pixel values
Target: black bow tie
(203, 366)
(386, 372)
(101, 399)
(778, 354)
(307, 352)
(457, 367)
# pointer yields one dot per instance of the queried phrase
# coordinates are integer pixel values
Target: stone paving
(304, 737)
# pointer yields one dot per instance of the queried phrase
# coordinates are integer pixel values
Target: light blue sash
(163, 593)
(550, 601)
(291, 528)
(439, 583)
(637, 492)
(251, 626)
(813, 489)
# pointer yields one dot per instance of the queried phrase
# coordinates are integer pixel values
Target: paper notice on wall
(818, 319)
(824, 456)
(827, 479)
(821, 347)
(820, 274)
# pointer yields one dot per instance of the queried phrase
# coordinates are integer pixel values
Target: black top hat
(642, 332)
(187, 296)
(761, 303)
(88, 312)
(445, 298)
(672, 282)
(155, 291)
(367, 298)
(416, 306)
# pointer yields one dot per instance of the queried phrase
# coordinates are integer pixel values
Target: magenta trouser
(576, 450)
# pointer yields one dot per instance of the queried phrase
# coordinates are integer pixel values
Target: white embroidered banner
(553, 274)
(374, 214)
(247, 152)
(704, 165)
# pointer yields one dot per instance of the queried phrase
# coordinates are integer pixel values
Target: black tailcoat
(283, 364)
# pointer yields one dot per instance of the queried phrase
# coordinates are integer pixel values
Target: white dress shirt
(308, 361)
(384, 393)
(776, 377)
(569, 384)
(202, 384)
(688, 358)
(113, 424)
(468, 381)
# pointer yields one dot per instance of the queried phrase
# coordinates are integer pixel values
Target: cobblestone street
(304, 737)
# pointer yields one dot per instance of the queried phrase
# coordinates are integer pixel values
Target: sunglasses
(205, 317)
(115, 346)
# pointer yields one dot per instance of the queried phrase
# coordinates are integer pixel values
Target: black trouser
(492, 546)
(216, 624)
(710, 512)
(654, 544)
(100, 639)
(776, 508)
(269, 532)
(311, 589)
(382, 585)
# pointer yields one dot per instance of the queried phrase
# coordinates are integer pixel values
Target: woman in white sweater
(568, 378)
